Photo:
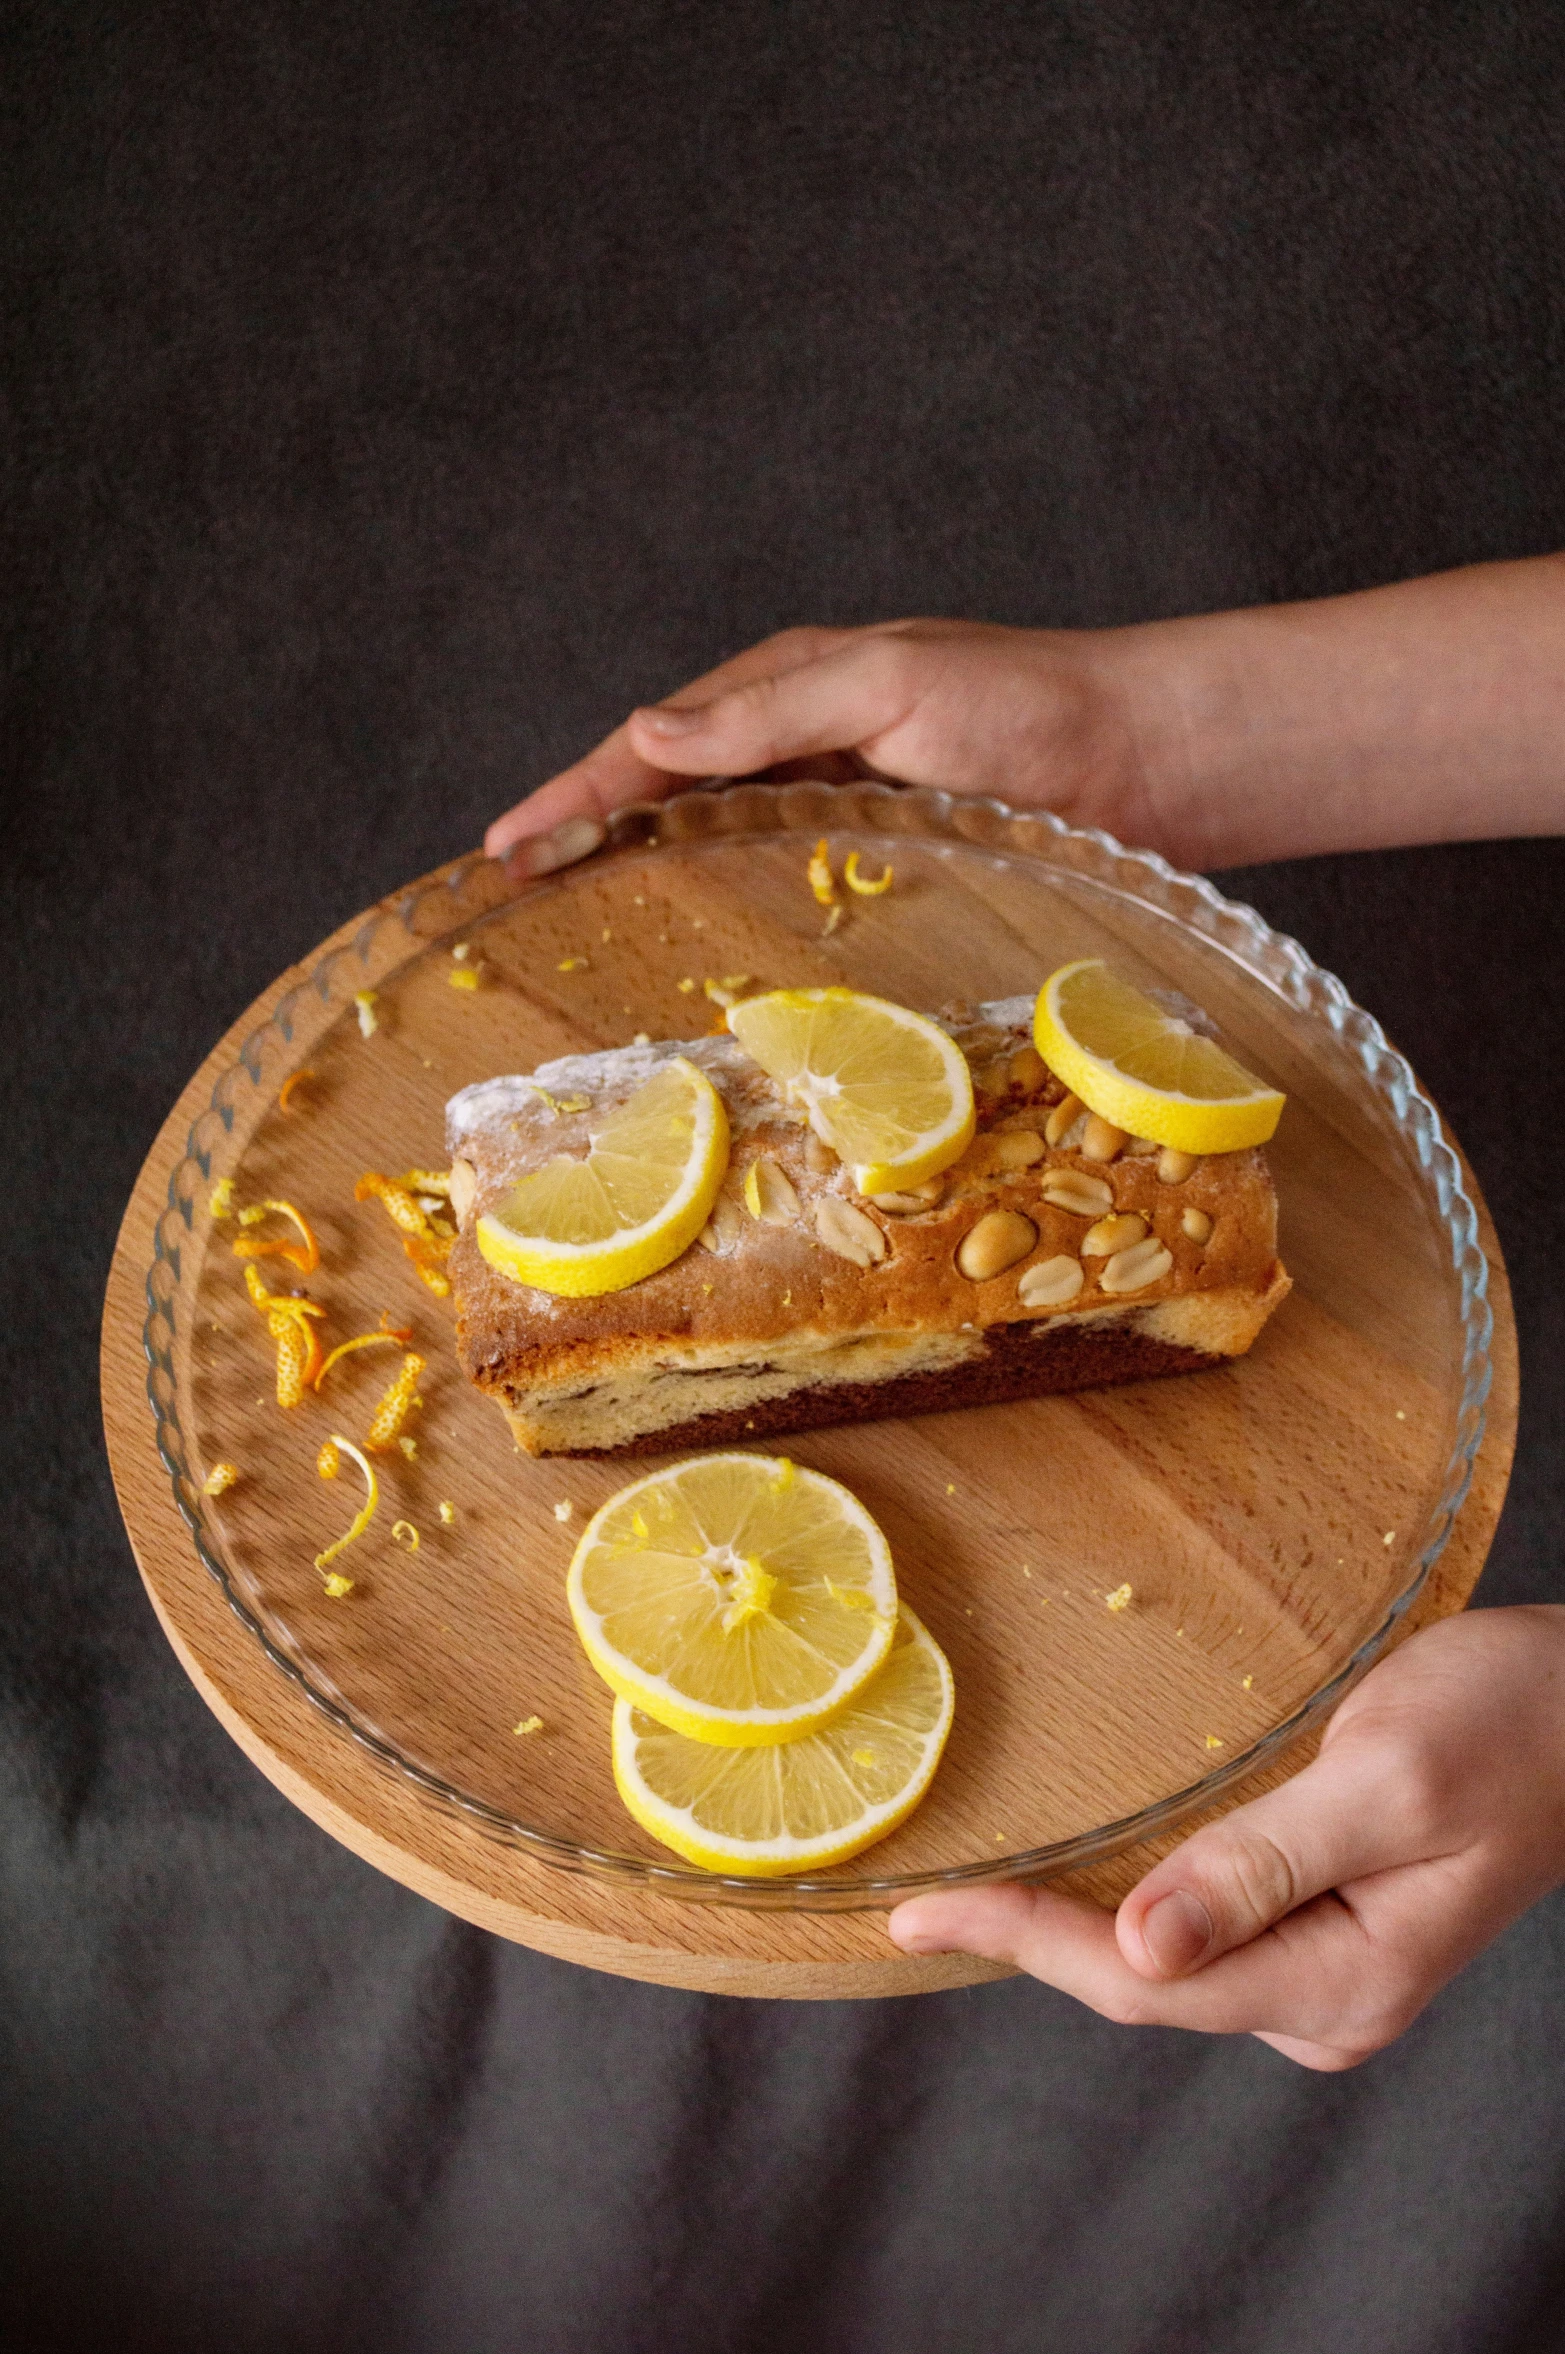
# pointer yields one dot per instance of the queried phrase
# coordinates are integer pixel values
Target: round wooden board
(608, 1925)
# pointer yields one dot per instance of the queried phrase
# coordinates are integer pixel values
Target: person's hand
(1429, 711)
(1041, 718)
(1324, 1916)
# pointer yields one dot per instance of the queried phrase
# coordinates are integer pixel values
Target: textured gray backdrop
(395, 394)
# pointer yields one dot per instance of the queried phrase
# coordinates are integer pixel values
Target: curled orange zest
(305, 1255)
(331, 1455)
(427, 1244)
(293, 1355)
(401, 1208)
(860, 883)
(288, 1086)
(388, 1336)
(394, 1407)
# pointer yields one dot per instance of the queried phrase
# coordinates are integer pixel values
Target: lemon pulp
(639, 1197)
(802, 1804)
(1143, 1069)
(885, 1088)
(738, 1599)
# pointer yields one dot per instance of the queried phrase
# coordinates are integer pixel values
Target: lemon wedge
(639, 1197)
(1144, 1070)
(737, 1599)
(886, 1089)
(802, 1804)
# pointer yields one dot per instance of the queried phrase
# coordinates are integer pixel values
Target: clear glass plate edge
(720, 806)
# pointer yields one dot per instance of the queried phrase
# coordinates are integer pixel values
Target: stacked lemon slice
(776, 1711)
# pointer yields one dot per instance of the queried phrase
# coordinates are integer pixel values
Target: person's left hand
(1324, 1916)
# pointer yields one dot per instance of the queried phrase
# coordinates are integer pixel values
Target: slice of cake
(1056, 1254)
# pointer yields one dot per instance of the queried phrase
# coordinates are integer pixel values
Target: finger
(1311, 1979)
(842, 698)
(1354, 1812)
(567, 817)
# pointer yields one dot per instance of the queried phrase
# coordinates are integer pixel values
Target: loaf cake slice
(1054, 1255)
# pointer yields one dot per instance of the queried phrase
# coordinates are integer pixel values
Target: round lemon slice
(802, 1804)
(886, 1089)
(737, 1599)
(639, 1197)
(1144, 1070)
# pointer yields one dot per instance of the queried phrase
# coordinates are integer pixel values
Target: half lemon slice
(1143, 1069)
(805, 1803)
(640, 1196)
(885, 1088)
(737, 1599)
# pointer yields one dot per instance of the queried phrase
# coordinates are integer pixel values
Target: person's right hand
(1040, 718)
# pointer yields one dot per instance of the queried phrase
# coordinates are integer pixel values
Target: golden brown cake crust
(769, 1291)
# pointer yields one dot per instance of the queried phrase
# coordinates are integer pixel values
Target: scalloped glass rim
(410, 920)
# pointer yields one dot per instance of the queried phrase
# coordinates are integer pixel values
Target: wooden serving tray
(441, 1651)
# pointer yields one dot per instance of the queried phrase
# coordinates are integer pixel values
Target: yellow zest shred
(728, 990)
(1120, 1598)
(328, 1462)
(388, 1336)
(860, 883)
(427, 1245)
(304, 1254)
(1246, 1683)
(403, 1532)
(220, 1201)
(288, 1086)
(464, 976)
(571, 964)
(1213, 1742)
(219, 1479)
(686, 986)
(288, 1322)
(529, 1724)
(392, 1412)
(336, 1584)
(821, 883)
(831, 923)
(369, 1020)
(447, 1512)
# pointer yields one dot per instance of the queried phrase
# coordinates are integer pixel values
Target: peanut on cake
(1054, 1251)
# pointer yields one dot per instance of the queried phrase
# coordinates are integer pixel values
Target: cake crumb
(642, 1038)
(564, 1509)
(447, 1513)
(1120, 1599)
(369, 1020)
(1248, 1682)
(1390, 1537)
(529, 1724)
(1401, 1417)
(686, 986)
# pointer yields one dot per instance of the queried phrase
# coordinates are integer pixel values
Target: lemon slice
(1141, 1068)
(639, 1197)
(801, 1804)
(885, 1088)
(737, 1598)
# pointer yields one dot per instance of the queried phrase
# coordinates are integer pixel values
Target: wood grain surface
(1248, 1508)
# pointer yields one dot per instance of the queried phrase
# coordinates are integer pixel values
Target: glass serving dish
(1273, 1518)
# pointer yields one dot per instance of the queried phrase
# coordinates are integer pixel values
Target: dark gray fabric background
(395, 394)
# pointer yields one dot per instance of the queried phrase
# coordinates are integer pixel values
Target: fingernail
(574, 838)
(1177, 1931)
(659, 720)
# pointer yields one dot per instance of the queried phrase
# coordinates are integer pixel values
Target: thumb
(1339, 1820)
